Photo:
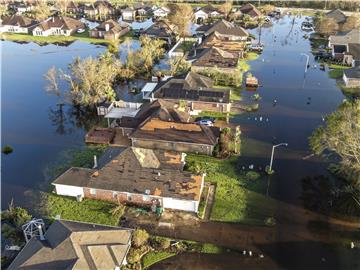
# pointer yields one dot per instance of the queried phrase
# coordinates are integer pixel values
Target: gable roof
(216, 40)
(160, 29)
(159, 130)
(65, 23)
(337, 15)
(191, 86)
(209, 9)
(344, 38)
(18, 20)
(215, 57)
(223, 27)
(142, 171)
(69, 245)
(114, 26)
(250, 10)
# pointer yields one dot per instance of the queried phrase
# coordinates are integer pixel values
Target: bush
(211, 249)
(134, 255)
(252, 176)
(158, 242)
(140, 237)
(7, 149)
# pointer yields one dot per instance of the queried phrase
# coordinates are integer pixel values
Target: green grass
(88, 210)
(153, 257)
(202, 204)
(336, 73)
(235, 94)
(251, 56)
(211, 249)
(217, 115)
(53, 39)
(236, 198)
(352, 92)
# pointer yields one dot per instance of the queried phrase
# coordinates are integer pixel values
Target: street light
(307, 60)
(272, 155)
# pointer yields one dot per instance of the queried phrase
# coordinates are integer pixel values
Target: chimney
(41, 233)
(95, 162)
(107, 27)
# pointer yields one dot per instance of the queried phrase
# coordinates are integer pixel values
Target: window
(92, 191)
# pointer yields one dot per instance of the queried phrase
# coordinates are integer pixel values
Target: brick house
(110, 30)
(196, 90)
(251, 10)
(137, 176)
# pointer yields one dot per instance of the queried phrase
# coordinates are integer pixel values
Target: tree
(181, 16)
(3, 10)
(52, 76)
(140, 237)
(226, 8)
(352, 22)
(261, 22)
(41, 11)
(178, 65)
(246, 19)
(327, 26)
(266, 9)
(341, 137)
(151, 50)
(62, 5)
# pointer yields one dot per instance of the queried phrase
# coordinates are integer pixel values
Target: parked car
(205, 123)
(207, 118)
(256, 47)
(81, 30)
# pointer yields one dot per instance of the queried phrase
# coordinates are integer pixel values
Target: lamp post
(307, 60)
(272, 155)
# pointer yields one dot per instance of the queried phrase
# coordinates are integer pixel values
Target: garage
(184, 205)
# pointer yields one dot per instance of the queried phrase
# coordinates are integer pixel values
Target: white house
(128, 14)
(161, 12)
(144, 177)
(57, 26)
(16, 24)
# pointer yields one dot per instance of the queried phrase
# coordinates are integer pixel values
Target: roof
(354, 50)
(75, 245)
(160, 29)
(114, 27)
(209, 8)
(65, 23)
(214, 57)
(353, 73)
(159, 130)
(337, 15)
(223, 27)
(18, 20)
(216, 40)
(250, 10)
(142, 171)
(161, 109)
(344, 38)
(191, 86)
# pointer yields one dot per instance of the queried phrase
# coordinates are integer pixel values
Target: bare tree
(52, 76)
(327, 26)
(226, 8)
(181, 16)
(352, 22)
(41, 11)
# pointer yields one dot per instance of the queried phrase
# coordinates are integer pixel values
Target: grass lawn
(216, 115)
(53, 39)
(88, 210)
(335, 66)
(211, 249)
(251, 56)
(153, 257)
(335, 73)
(349, 91)
(202, 204)
(237, 198)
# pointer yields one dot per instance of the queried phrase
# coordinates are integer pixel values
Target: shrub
(140, 237)
(158, 242)
(7, 149)
(134, 255)
(252, 175)
(211, 249)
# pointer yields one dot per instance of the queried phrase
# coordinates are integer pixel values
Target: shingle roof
(354, 50)
(251, 10)
(337, 15)
(223, 27)
(344, 38)
(17, 20)
(160, 29)
(353, 73)
(209, 8)
(114, 26)
(216, 40)
(68, 245)
(158, 130)
(215, 57)
(191, 86)
(143, 171)
(62, 22)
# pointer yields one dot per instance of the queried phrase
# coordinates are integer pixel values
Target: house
(345, 46)
(351, 77)
(251, 10)
(75, 245)
(219, 41)
(225, 30)
(337, 15)
(206, 12)
(137, 176)
(174, 136)
(72, 8)
(128, 14)
(20, 7)
(99, 9)
(161, 30)
(16, 24)
(161, 12)
(57, 26)
(213, 58)
(110, 30)
(141, 9)
(196, 91)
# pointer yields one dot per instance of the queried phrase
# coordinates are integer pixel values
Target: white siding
(177, 204)
(69, 190)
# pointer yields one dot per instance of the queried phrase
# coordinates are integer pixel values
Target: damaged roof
(223, 27)
(114, 27)
(18, 20)
(215, 57)
(75, 245)
(140, 171)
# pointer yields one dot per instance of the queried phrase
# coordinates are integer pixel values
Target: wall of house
(184, 205)
(13, 29)
(351, 82)
(66, 190)
(174, 146)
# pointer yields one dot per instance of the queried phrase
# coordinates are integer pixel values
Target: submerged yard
(239, 196)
